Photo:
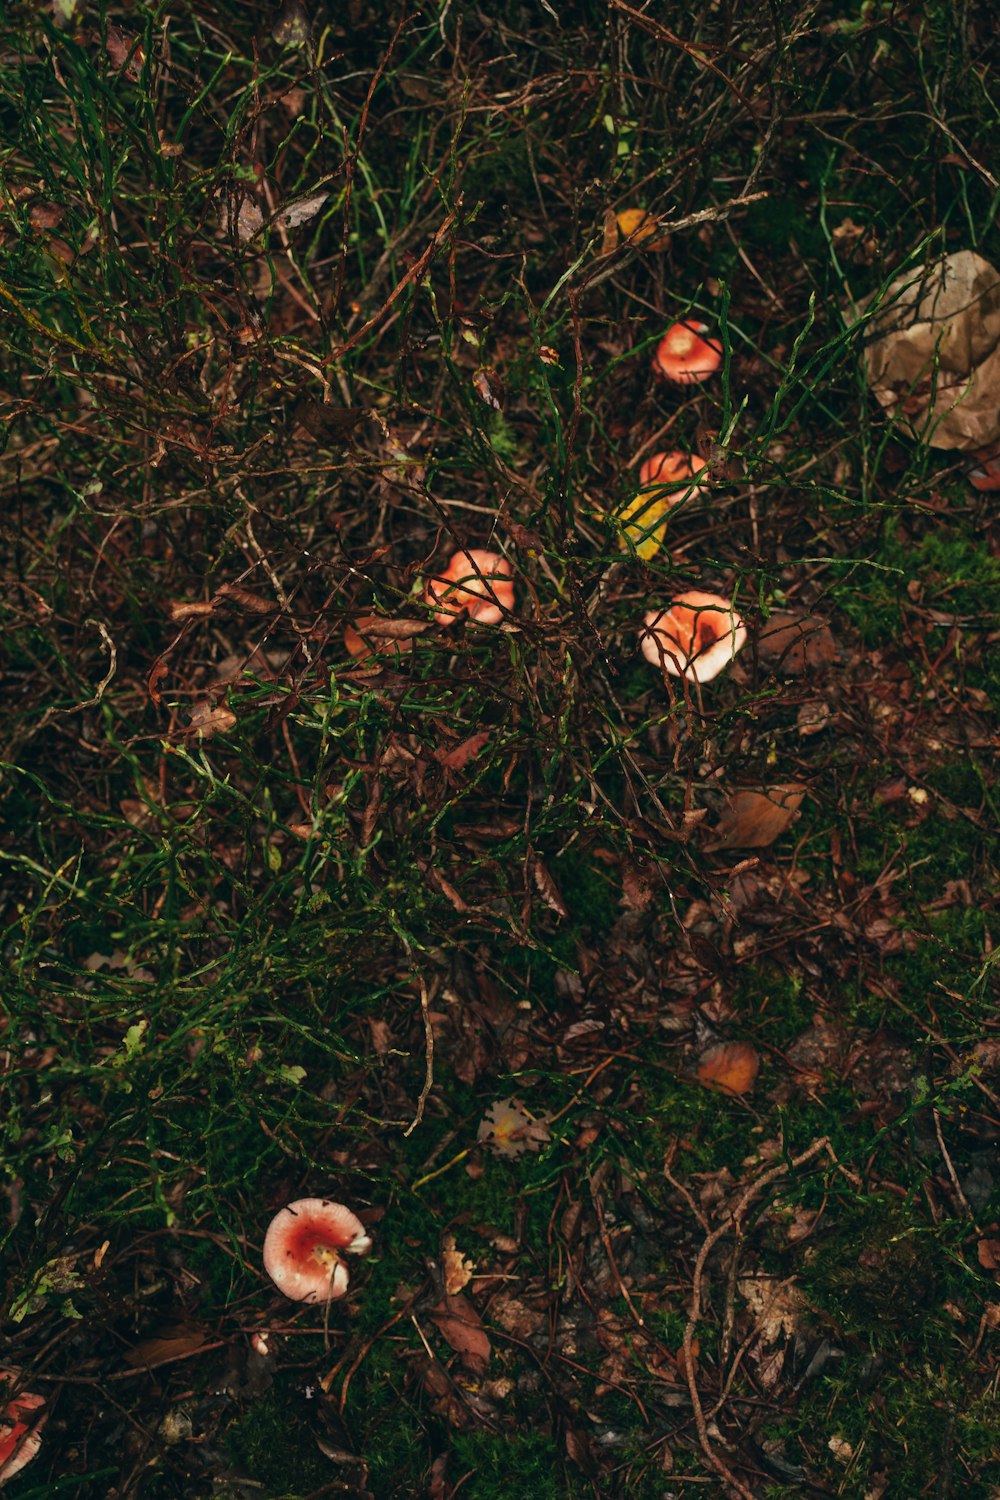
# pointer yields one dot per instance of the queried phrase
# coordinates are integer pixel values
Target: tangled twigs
(733, 1223)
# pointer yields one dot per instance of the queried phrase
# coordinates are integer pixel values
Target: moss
(268, 1441)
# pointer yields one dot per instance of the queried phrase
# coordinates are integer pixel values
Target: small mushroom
(479, 582)
(683, 356)
(674, 469)
(696, 636)
(20, 1429)
(305, 1245)
(665, 479)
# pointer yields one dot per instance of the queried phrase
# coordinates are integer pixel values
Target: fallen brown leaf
(459, 755)
(796, 643)
(207, 720)
(755, 819)
(190, 609)
(461, 1328)
(989, 1254)
(457, 1270)
(729, 1067)
(168, 1345)
(777, 1305)
(125, 53)
(548, 890)
(510, 1130)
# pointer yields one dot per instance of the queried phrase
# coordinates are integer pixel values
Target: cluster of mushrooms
(309, 1243)
(695, 636)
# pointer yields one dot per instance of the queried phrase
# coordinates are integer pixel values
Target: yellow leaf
(729, 1067)
(642, 521)
(639, 228)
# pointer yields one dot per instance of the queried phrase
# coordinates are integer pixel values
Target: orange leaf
(755, 819)
(459, 755)
(729, 1067)
(171, 1344)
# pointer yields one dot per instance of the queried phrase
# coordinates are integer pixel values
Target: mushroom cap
(682, 355)
(696, 636)
(478, 581)
(304, 1246)
(20, 1429)
(672, 468)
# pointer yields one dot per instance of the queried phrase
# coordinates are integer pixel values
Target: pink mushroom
(480, 582)
(696, 636)
(20, 1429)
(672, 468)
(683, 356)
(305, 1245)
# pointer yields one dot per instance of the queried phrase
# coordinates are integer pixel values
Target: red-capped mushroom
(672, 468)
(21, 1423)
(696, 636)
(305, 1245)
(682, 355)
(479, 582)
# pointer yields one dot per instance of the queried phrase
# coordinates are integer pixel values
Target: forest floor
(672, 1112)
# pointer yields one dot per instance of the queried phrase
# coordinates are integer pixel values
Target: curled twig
(694, 1316)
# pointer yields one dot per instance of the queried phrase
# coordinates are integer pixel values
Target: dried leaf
(461, 1328)
(327, 423)
(156, 676)
(510, 1130)
(170, 1344)
(125, 53)
(460, 755)
(796, 643)
(207, 720)
(932, 350)
(486, 385)
(609, 236)
(548, 890)
(755, 819)
(255, 604)
(457, 1270)
(46, 216)
(291, 215)
(190, 609)
(777, 1306)
(989, 1254)
(729, 1067)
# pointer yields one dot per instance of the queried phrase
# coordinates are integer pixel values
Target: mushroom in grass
(21, 1421)
(666, 479)
(305, 1245)
(479, 582)
(683, 356)
(696, 636)
(678, 470)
